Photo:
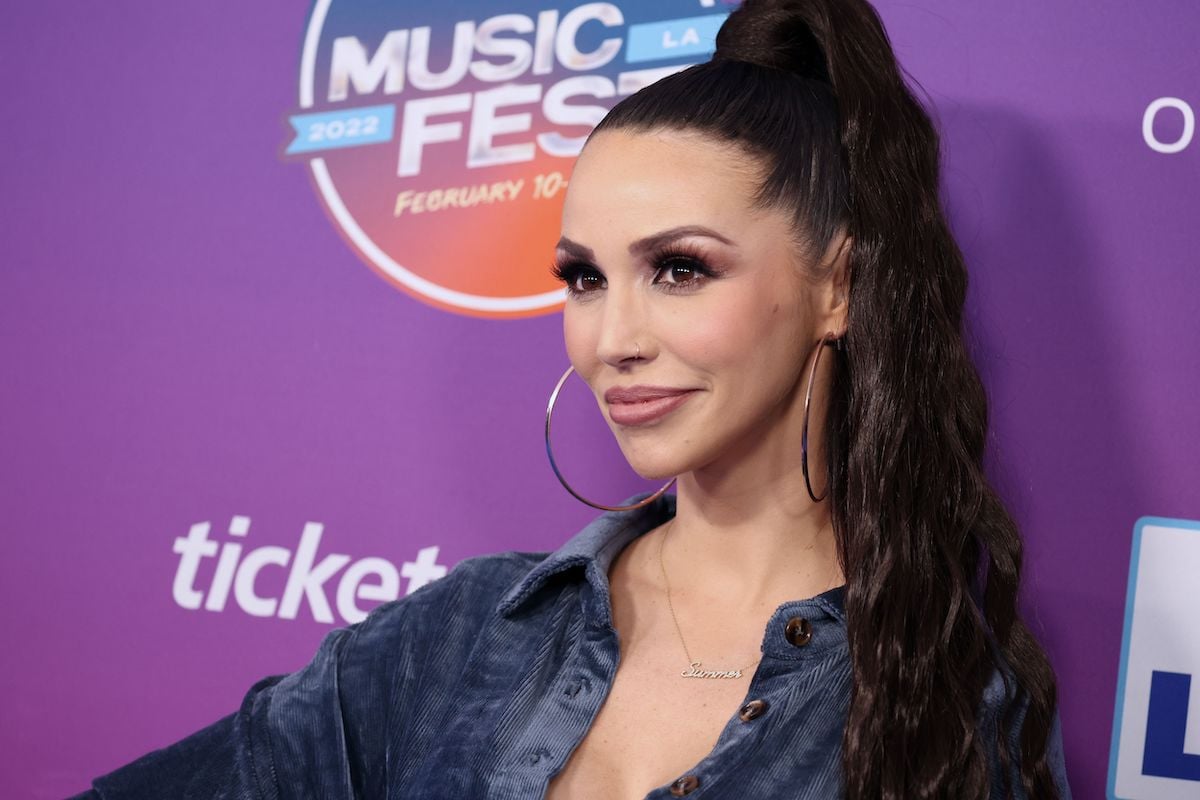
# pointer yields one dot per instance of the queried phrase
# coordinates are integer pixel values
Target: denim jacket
(482, 683)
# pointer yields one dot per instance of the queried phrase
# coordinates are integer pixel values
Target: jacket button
(685, 785)
(752, 710)
(798, 631)
(575, 687)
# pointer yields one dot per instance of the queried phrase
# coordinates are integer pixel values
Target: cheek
(579, 336)
(752, 339)
(735, 330)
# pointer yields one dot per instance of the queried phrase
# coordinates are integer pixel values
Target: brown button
(798, 631)
(752, 710)
(685, 785)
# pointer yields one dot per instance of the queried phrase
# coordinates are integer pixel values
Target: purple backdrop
(186, 338)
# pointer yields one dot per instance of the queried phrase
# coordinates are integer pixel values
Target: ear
(836, 303)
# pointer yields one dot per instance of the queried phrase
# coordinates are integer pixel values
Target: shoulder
(1003, 709)
(475, 579)
(319, 726)
(470, 591)
(406, 655)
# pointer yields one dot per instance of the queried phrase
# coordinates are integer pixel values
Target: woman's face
(689, 312)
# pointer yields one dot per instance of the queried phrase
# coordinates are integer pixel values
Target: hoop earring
(550, 454)
(827, 339)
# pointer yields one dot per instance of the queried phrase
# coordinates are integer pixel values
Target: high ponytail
(932, 558)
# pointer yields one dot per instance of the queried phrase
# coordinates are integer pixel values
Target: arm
(346, 723)
(237, 757)
(1056, 759)
(318, 732)
(994, 701)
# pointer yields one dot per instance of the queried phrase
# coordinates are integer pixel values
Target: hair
(811, 89)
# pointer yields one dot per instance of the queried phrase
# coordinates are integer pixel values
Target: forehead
(653, 180)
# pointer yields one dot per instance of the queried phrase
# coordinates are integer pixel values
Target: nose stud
(638, 352)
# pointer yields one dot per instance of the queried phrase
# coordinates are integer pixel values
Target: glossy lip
(641, 405)
(639, 394)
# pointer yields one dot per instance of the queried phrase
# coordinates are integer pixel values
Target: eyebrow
(646, 244)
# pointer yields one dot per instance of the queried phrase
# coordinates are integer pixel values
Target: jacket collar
(596, 546)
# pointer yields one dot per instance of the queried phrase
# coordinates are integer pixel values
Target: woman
(766, 301)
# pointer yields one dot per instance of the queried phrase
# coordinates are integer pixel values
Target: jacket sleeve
(334, 728)
(246, 755)
(1057, 760)
(996, 696)
(318, 732)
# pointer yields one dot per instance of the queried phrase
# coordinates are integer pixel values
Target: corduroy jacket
(481, 684)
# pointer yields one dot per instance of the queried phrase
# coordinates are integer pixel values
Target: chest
(655, 726)
(554, 706)
(652, 729)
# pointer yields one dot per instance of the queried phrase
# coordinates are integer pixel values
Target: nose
(624, 335)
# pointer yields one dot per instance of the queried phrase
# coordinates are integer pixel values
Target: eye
(677, 271)
(580, 278)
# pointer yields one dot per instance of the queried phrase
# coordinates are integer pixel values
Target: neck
(746, 533)
(751, 536)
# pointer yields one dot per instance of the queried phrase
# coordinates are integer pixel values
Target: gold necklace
(695, 669)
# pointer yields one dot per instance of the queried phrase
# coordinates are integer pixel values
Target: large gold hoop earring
(827, 339)
(550, 454)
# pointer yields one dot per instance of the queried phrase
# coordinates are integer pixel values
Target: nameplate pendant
(696, 671)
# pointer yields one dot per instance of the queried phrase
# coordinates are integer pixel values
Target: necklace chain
(694, 669)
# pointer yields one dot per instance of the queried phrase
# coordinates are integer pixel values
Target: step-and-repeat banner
(278, 330)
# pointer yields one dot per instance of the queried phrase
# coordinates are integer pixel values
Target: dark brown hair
(811, 88)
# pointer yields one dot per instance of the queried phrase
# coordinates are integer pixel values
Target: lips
(640, 394)
(641, 405)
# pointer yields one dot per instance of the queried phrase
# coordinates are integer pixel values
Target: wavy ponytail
(932, 558)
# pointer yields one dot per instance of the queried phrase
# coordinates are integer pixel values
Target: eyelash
(670, 256)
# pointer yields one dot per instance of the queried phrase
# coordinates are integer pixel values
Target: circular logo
(440, 137)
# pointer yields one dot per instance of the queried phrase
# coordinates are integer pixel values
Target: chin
(658, 465)
(655, 474)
